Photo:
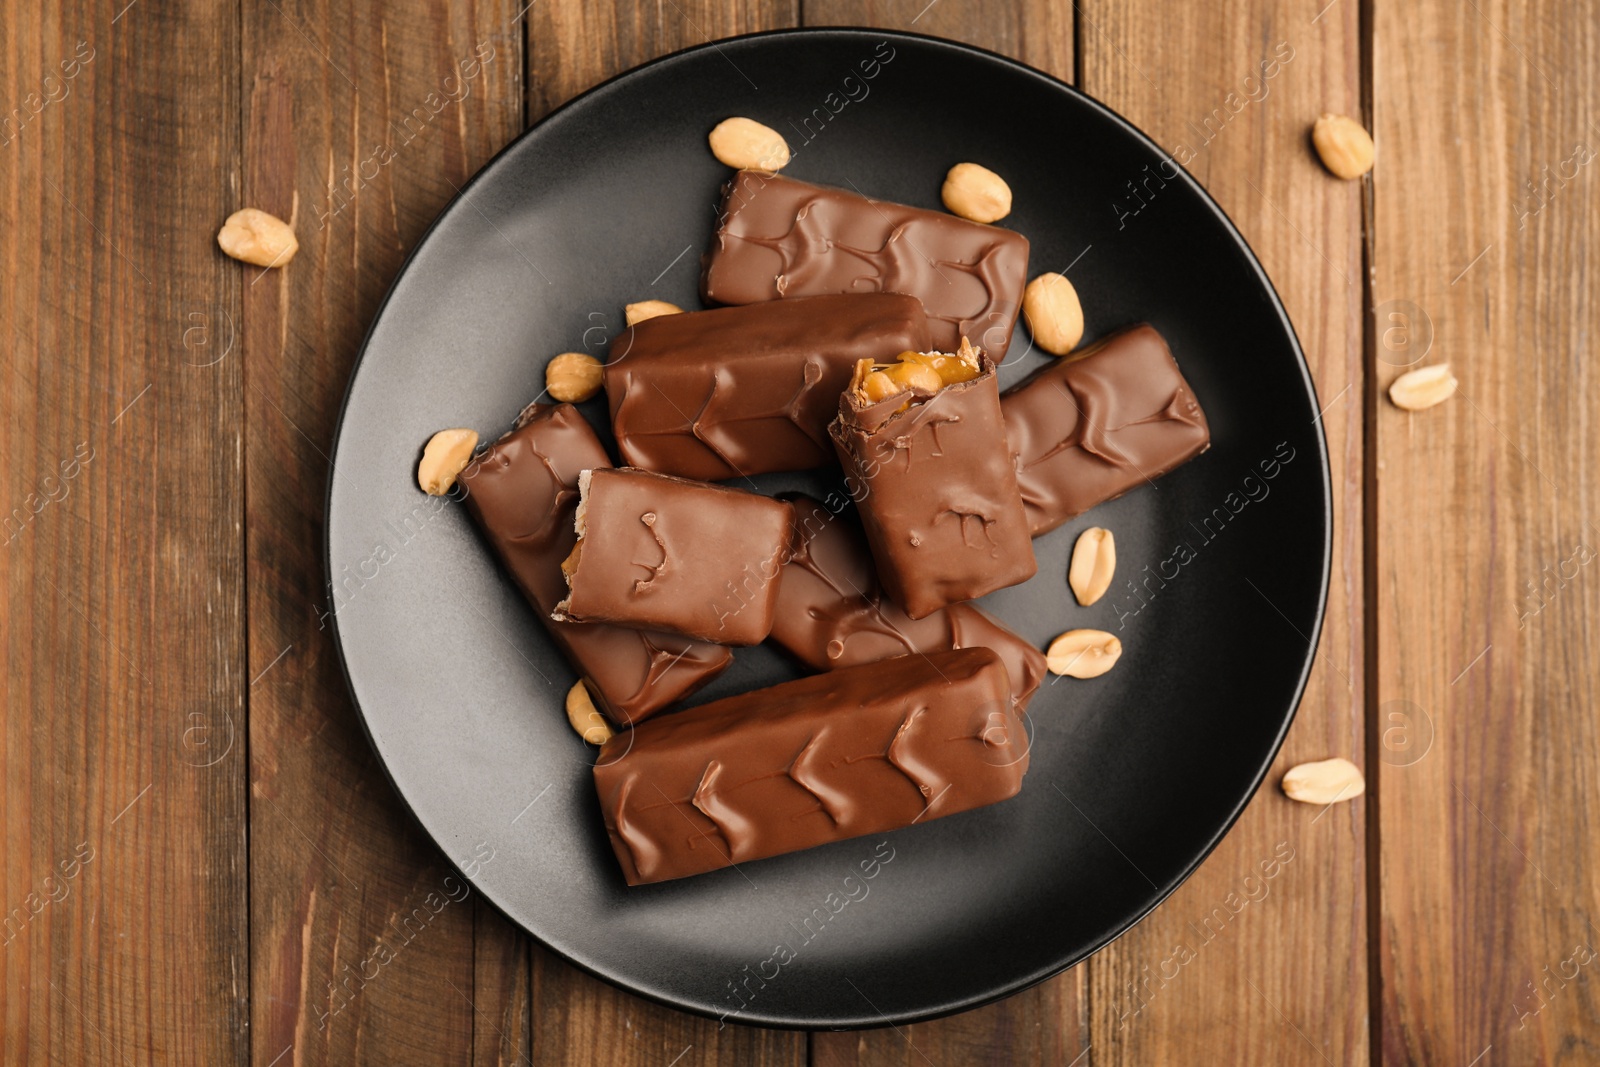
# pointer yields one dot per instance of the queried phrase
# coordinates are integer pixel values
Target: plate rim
(1032, 978)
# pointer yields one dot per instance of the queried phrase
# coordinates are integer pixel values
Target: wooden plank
(579, 1020)
(1486, 590)
(359, 124)
(573, 46)
(1045, 1025)
(1260, 957)
(503, 992)
(123, 856)
(1037, 32)
(1049, 1023)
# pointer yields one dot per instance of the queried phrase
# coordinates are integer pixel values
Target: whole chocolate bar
(832, 612)
(856, 751)
(937, 492)
(778, 237)
(522, 492)
(748, 390)
(1099, 422)
(663, 553)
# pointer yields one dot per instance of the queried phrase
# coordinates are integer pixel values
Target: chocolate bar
(747, 390)
(832, 612)
(936, 488)
(1099, 422)
(778, 237)
(522, 492)
(856, 751)
(663, 553)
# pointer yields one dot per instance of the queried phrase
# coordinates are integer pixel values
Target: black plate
(1135, 775)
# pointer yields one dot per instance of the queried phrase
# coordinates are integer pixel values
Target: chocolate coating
(937, 491)
(778, 237)
(856, 751)
(1100, 422)
(832, 612)
(521, 492)
(748, 390)
(663, 553)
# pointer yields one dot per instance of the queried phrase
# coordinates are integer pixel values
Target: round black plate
(1135, 775)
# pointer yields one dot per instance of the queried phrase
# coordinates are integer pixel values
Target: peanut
(648, 309)
(879, 386)
(1344, 145)
(584, 718)
(1055, 318)
(1094, 561)
(1324, 782)
(573, 377)
(951, 369)
(446, 454)
(917, 377)
(1422, 388)
(1083, 653)
(256, 237)
(745, 144)
(976, 193)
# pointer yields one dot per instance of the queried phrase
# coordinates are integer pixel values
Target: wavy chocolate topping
(748, 390)
(937, 492)
(832, 612)
(778, 237)
(1099, 422)
(856, 751)
(663, 553)
(522, 492)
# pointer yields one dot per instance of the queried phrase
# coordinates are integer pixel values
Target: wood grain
(574, 45)
(579, 1020)
(502, 977)
(1035, 31)
(123, 858)
(1047, 1024)
(1278, 967)
(1487, 592)
(359, 124)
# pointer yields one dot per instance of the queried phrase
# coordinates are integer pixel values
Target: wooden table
(199, 848)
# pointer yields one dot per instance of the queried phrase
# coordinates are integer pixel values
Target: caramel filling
(921, 374)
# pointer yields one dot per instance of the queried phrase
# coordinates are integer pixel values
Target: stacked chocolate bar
(855, 332)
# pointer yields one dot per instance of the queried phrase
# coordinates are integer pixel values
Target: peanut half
(256, 237)
(976, 193)
(1344, 145)
(745, 144)
(573, 377)
(901, 377)
(1055, 318)
(584, 718)
(1094, 561)
(1416, 390)
(447, 454)
(649, 309)
(1324, 782)
(1083, 653)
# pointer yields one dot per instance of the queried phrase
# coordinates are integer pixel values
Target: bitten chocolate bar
(856, 751)
(778, 237)
(1099, 422)
(832, 613)
(748, 390)
(663, 553)
(522, 492)
(937, 490)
